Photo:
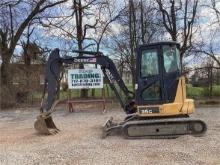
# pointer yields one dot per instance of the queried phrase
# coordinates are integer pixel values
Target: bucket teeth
(45, 125)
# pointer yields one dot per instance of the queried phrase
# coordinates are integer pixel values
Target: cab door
(149, 79)
(171, 71)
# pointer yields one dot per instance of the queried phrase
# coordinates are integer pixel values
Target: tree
(208, 47)
(12, 28)
(86, 25)
(137, 25)
(178, 19)
(214, 6)
(209, 43)
(82, 28)
(30, 50)
(15, 16)
(206, 75)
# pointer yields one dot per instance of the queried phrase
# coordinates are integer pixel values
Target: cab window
(152, 93)
(149, 63)
(171, 59)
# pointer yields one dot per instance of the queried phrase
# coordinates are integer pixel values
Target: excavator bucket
(45, 125)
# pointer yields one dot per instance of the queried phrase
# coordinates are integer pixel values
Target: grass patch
(216, 90)
(201, 92)
(192, 92)
(75, 93)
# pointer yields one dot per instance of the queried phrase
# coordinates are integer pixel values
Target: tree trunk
(5, 73)
(5, 67)
(7, 93)
(79, 28)
(210, 83)
(132, 33)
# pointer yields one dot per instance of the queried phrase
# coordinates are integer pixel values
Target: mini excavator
(158, 108)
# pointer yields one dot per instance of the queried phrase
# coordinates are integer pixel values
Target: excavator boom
(44, 123)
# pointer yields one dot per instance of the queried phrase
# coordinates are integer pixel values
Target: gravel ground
(79, 141)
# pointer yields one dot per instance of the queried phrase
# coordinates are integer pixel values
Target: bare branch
(24, 24)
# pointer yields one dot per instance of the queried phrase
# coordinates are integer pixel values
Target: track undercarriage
(135, 127)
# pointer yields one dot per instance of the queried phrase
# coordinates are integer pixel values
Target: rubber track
(165, 121)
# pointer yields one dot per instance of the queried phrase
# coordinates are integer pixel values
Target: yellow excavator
(158, 107)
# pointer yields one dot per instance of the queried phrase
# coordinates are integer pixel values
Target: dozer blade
(111, 128)
(45, 125)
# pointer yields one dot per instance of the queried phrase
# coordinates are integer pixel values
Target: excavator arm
(53, 76)
(54, 67)
(111, 74)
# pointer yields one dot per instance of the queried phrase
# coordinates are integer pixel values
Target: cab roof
(160, 43)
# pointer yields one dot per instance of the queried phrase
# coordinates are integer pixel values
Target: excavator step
(157, 128)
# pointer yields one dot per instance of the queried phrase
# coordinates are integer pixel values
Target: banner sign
(85, 78)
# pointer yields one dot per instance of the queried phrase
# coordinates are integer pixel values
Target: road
(79, 141)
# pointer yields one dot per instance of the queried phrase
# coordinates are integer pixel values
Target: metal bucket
(45, 125)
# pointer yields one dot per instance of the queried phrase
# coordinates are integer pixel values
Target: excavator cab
(157, 73)
(160, 87)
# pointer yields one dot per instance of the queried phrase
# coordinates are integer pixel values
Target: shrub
(216, 90)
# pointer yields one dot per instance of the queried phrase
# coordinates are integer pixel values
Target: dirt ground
(79, 141)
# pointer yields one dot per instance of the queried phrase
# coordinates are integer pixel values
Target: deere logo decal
(85, 60)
